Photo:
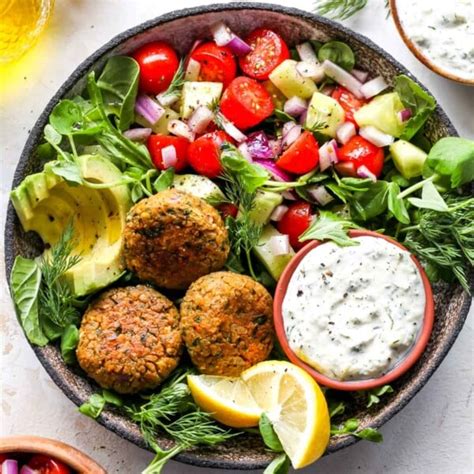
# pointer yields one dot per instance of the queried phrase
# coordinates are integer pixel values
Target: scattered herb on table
(373, 396)
(351, 427)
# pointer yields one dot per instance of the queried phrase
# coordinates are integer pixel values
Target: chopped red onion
(328, 155)
(137, 134)
(291, 135)
(197, 43)
(320, 195)
(345, 132)
(10, 466)
(327, 90)
(290, 195)
(287, 126)
(303, 117)
(244, 150)
(307, 53)
(275, 145)
(180, 129)
(295, 106)
(364, 172)
(200, 119)
(277, 173)
(360, 75)
(279, 245)
(232, 130)
(373, 87)
(346, 168)
(404, 115)
(259, 146)
(278, 213)
(192, 70)
(148, 109)
(221, 33)
(28, 470)
(311, 70)
(168, 156)
(342, 77)
(238, 46)
(376, 136)
(166, 99)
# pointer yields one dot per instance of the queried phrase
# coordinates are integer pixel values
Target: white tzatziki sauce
(354, 312)
(443, 31)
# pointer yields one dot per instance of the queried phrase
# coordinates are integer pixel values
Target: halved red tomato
(348, 101)
(295, 221)
(157, 142)
(302, 156)
(361, 152)
(46, 465)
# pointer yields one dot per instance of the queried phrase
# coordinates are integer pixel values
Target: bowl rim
(413, 354)
(108, 418)
(423, 58)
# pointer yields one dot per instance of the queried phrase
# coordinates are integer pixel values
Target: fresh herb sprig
(351, 427)
(173, 93)
(339, 9)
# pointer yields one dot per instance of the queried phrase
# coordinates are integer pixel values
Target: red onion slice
(373, 87)
(295, 106)
(197, 43)
(345, 132)
(404, 115)
(166, 99)
(10, 466)
(200, 119)
(238, 46)
(290, 195)
(320, 195)
(192, 70)
(360, 75)
(180, 129)
(244, 150)
(168, 156)
(279, 245)
(376, 136)
(148, 109)
(137, 134)
(28, 470)
(311, 70)
(328, 155)
(259, 146)
(278, 213)
(364, 172)
(343, 78)
(277, 173)
(232, 130)
(307, 53)
(275, 146)
(221, 33)
(291, 135)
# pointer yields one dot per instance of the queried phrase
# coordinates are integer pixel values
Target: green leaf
(270, 438)
(453, 157)
(375, 394)
(417, 100)
(397, 206)
(25, 281)
(343, 194)
(164, 181)
(94, 406)
(329, 226)
(51, 135)
(69, 170)
(336, 408)
(400, 180)
(430, 199)
(339, 53)
(119, 85)
(355, 184)
(112, 398)
(370, 434)
(283, 116)
(66, 117)
(369, 204)
(69, 341)
(339, 9)
(351, 425)
(280, 465)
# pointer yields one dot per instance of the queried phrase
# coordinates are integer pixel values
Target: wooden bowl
(419, 53)
(70, 456)
(180, 28)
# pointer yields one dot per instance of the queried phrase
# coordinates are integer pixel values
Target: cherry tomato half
(268, 51)
(295, 221)
(204, 153)
(47, 465)
(228, 209)
(302, 156)
(246, 102)
(158, 63)
(348, 101)
(360, 152)
(217, 63)
(156, 143)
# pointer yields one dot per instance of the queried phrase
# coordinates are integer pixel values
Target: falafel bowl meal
(181, 191)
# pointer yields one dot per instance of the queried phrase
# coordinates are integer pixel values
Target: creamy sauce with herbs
(443, 31)
(354, 312)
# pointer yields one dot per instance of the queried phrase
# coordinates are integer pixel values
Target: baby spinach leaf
(69, 341)
(395, 205)
(348, 427)
(417, 100)
(94, 406)
(280, 465)
(25, 281)
(355, 184)
(164, 181)
(69, 170)
(66, 117)
(270, 438)
(373, 396)
(366, 205)
(339, 53)
(430, 199)
(454, 157)
(370, 434)
(119, 85)
(51, 135)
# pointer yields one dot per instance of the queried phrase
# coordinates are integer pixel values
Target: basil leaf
(370, 434)
(280, 465)
(339, 53)
(25, 281)
(417, 100)
(270, 438)
(164, 181)
(119, 85)
(369, 204)
(69, 341)
(94, 406)
(329, 226)
(453, 157)
(112, 398)
(430, 199)
(395, 205)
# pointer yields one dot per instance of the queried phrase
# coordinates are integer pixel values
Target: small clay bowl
(72, 457)
(419, 53)
(408, 361)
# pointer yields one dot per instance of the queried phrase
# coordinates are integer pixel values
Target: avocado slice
(408, 158)
(198, 186)
(46, 203)
(274, 264)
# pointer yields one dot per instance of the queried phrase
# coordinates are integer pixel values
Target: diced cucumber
(408, 158)
(199, 93)
(286, 78)
(198, 186)
(161, 126)
(273, 264)
(264, 204)
(325, 109)
(382, 112)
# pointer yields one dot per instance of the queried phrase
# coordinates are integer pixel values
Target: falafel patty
(173, 238)
(129, 339)
(226, 322)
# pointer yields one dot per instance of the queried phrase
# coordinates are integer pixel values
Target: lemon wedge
(227, 398)
(295, 405)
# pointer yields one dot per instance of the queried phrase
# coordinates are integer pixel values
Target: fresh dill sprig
(214, 107)
(339, 9)
(176, 84)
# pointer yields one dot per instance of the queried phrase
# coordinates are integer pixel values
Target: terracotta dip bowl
(181, 28)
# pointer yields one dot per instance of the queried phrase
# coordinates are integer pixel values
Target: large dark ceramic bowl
(181, 28)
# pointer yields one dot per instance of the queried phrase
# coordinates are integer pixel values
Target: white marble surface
(433, 434)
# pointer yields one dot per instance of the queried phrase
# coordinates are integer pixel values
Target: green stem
(73, 147)
(411, 227)
(414, 188)
(249, 263)
(161, 459)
